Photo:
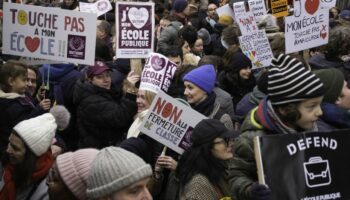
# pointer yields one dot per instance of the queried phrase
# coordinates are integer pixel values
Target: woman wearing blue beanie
(199, 84)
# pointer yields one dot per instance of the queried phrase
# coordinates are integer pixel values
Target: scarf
(269, 119)
(206, 107)
(335, 115)
(43, 165)
(134, 128)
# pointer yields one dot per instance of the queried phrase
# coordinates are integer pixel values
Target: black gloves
(260, 192)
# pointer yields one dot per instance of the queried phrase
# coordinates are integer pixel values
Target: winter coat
(14, 108)
(200, 188)
(234, 85)
(242, 171)
(248, 102)
(103, 116)
(225, 101)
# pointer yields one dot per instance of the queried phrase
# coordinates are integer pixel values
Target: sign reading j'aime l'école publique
(305, 166)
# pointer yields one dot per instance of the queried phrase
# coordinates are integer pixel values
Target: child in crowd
(292, 105)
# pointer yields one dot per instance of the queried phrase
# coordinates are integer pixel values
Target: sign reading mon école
(310, 165)
(50, 33)
(157, 73)
(170, 122)
(135, 29)
(308, 28)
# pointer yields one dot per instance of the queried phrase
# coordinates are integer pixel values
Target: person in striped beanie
(292, 105)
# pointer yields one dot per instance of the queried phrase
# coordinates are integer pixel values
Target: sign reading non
(310, 165)
(50, 33)
(170, 122)
(157, 73)
(308, 28)
(135, 29)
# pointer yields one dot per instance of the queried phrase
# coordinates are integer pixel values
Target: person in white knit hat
(117, 174)
(29, 156)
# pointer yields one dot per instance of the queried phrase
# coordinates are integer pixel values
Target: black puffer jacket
(103, 116)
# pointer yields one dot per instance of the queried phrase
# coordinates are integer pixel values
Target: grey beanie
(114, 169)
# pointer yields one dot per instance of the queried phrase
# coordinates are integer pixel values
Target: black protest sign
(308, 166)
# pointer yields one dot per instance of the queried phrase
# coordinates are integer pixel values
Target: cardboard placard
(308, 28)
(157, 73)
(239, 8)
(135, 29)
(328, 4)
(225, 10)
(246, 23)
(50, 33)
(99, 7)
(170, 122)
(315, 165)
(257, 7)
(257, 48)
(279, 8)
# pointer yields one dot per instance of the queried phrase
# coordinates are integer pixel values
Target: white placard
(50, 33)
(328, 3)
(225, 10)
(257, 48)
(246, 23)
(170, 122)
(238, 8)
(257, 7)
(99, 7)
(307, 30)
(38, 61)
(157, 73)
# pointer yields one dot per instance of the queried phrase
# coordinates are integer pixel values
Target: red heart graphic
(32, 44)
(323, 35)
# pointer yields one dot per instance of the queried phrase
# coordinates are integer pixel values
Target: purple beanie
(204, 77)
(74, 167)
(180, 5)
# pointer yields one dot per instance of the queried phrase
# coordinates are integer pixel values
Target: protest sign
(157, 73)
(305, 166)
(279, 8)
(246, 23)
(328, 4)
(99, 7)
(50, 33)
(135, 29)
(238, 8)
(225, 10)
(310, 29)
(257, 48)
(37, 61)
(257, 7)
(170, 122)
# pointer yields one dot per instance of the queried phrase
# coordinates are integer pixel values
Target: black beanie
(209, 129)
(239, 61)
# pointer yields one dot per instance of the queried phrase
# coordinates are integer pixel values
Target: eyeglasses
(226, 141)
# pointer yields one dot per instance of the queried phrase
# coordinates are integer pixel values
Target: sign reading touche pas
(305, 166)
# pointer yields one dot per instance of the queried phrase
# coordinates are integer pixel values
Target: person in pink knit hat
(68, 176)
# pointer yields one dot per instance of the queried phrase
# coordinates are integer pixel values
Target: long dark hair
(199, 160)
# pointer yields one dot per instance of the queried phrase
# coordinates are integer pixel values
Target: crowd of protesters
(71, 131)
